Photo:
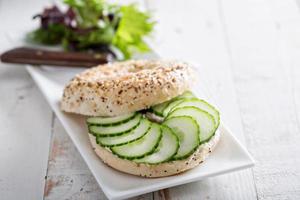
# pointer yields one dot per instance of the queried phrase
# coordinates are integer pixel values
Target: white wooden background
(250, 56)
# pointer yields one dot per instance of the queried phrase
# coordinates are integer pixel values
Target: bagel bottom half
(158, 170)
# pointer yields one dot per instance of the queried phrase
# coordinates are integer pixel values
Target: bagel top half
(123, 87)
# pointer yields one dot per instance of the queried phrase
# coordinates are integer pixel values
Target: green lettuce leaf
(132, 28)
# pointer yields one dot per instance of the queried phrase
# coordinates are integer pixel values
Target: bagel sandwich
(142, 117)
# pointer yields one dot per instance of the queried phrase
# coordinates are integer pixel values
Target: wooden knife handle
(34, 56)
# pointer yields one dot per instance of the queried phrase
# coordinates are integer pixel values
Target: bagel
(158, 170)
(113, 96)
(118, 88)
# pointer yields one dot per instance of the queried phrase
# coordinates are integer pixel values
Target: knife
(25, 55)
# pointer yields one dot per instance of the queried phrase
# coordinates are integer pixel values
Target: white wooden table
(250, 52)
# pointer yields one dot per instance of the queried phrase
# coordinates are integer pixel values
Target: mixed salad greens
(95, 25)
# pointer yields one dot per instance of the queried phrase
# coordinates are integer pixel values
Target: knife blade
(35, 56)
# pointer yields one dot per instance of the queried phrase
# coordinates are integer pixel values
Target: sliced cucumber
(141, 147)
(186, 95)
(109, 120)
(203, 105)
(204, 119)
(133, 135)
(167, 148)
(187, 131)
(170, 106)
(158, 109)
(118, 129)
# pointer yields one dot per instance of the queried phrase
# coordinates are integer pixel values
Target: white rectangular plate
(228, 156)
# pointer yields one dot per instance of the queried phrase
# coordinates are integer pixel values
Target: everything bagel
(124, 87)
(175, 133)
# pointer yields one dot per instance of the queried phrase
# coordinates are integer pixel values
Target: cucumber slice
(141, 147)
(109, 120)
(187, 131)
(118, 129)
(170, 106)
(131, 136)
(167, 148)
(186, 95)
(204, 119)
(158, 109)
(203, 105)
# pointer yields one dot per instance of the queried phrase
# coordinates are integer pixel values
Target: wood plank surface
(25, 124)
(263, 37)
(67, 175)
(25, 117)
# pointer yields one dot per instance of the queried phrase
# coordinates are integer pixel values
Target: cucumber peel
(204, 120)
(203, 105)
(159, 108)
(141, 147)
(170, 106)
(119, 129)
(187, 131)
(167, 148)
(108, 121)
(131, 136)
